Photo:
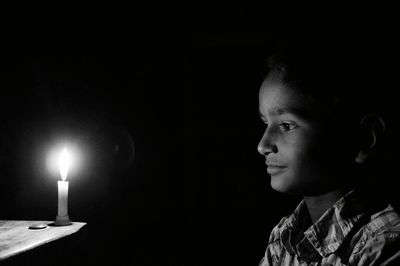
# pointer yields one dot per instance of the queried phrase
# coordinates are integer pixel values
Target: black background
(197, 192)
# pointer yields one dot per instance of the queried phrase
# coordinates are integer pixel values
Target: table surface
(16, 237)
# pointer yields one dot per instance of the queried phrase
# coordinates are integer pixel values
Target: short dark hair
(340, 77)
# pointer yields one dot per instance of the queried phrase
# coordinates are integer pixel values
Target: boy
(318, 137)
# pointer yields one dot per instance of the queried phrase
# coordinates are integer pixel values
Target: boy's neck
(317, 205)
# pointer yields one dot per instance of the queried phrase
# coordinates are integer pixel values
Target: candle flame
(64, 163)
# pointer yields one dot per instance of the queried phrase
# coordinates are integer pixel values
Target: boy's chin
(281, 186)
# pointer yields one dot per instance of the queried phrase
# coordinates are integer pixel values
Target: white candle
(62, 198)
(64, 162)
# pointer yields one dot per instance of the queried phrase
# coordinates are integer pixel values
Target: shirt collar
(327, 234)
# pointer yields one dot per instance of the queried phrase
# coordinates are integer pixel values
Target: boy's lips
(274, 164)
(274, 168)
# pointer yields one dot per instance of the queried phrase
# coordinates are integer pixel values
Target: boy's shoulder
(382, 228)
(383, 221)
(379, 239)
(367, 236)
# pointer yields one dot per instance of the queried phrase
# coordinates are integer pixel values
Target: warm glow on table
(16, 237)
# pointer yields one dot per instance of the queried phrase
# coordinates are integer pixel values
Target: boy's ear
(372, 128)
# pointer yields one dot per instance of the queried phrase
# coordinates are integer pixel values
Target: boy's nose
(266, 145)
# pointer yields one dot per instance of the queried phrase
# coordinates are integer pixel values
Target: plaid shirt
(351, 232)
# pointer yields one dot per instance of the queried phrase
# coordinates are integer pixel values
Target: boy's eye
(287, 126)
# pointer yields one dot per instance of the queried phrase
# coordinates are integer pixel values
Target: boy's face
(300, 149)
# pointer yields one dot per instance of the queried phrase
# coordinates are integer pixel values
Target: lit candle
(64, 162)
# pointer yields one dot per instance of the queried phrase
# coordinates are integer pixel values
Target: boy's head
(317, 129)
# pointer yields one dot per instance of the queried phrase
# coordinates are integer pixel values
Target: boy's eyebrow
(277, 112)
(302, 112)
(280, 111)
